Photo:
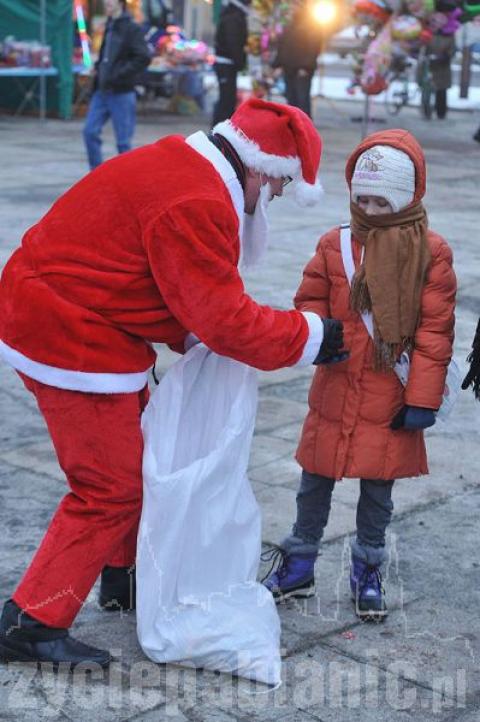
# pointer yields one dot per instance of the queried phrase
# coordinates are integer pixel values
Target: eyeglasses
(288, 179)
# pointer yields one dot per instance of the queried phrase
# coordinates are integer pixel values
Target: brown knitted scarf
(390, 280)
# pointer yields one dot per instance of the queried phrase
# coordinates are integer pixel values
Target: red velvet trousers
(99, 445)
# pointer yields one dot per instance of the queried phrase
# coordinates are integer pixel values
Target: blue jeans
(374, 510)
(120, 107)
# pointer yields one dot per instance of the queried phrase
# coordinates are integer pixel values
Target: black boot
(25, 639)
(118, 589)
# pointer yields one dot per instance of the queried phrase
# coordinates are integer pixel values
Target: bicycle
(399, 94)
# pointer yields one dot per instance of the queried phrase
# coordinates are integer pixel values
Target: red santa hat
(278, 140)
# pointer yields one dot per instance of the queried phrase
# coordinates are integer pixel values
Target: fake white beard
(255, 230)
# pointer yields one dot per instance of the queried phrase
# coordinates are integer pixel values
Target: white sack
(198, 602)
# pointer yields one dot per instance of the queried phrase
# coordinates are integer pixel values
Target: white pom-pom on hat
(307, 194)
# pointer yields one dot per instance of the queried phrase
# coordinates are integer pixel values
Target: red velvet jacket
(143, 249)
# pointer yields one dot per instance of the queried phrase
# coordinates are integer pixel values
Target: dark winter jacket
(299, 45)
(123, 55)
(231, 36)
(442, 48)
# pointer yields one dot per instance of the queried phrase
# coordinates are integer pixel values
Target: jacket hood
(402, 140)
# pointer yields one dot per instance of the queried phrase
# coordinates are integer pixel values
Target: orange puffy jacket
(347, 430)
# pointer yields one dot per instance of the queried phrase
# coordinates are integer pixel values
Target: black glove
(413, 418)
(331, 348)
(473, 376)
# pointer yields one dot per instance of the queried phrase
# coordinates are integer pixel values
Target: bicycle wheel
(396, 95)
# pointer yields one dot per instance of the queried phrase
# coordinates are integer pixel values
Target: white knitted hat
(386, 172)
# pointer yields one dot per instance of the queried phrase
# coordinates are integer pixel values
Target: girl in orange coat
(364, 422)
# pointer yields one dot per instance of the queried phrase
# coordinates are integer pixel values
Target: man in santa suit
(145, 249)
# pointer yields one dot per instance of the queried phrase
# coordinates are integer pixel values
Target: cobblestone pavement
(423, 662)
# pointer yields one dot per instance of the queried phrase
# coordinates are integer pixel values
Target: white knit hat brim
(397, 198)
(385, 172)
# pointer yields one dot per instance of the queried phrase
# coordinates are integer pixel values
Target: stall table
(33, 91)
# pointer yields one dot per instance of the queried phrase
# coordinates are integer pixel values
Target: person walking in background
(298, 50)
(230, 55)
(123, 55)
(441, 49)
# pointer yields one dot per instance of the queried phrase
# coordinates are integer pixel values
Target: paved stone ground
(423, 663)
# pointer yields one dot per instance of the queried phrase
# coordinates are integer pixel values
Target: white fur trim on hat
(276, 166)
(386, 172)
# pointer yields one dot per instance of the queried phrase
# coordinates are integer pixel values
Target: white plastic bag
(453, 384)
(451, 391)
(198, 602)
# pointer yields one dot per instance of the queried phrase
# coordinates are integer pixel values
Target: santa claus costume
(143, 250)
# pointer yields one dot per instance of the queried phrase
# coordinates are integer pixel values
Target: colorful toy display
(397, 27)
(402, 27)
(184, 60)
(25, 53)
(377, 62)
(173, 47)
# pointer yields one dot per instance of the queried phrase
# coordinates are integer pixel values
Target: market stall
(35, 56)
(178, 63)
(182, 64)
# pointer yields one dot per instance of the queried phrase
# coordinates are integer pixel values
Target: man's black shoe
(118, 589)
(25, 639)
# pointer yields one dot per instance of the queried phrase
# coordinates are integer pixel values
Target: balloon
(406, 27)
(377, 60)
(374, 86)
(372, 9)
(471, 10)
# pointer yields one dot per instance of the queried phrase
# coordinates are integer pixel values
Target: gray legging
(374, 511)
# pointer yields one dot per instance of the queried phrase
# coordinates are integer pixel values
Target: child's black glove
(331, 348)
(413, 418)
(473, 376)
